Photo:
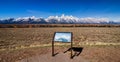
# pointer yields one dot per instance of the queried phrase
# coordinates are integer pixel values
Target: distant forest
(56, 25)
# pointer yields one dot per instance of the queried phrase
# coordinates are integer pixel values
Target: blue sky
(44, 8)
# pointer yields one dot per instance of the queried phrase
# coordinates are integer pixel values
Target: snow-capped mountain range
(57, 20)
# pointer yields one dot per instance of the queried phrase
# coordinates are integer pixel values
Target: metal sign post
(52, 48)
(71, 45)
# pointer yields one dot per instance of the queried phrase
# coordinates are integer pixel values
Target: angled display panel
(63, 37)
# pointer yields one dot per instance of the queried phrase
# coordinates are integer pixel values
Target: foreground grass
(64, 44)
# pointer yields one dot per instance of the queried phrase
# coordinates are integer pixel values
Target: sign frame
(53, 54)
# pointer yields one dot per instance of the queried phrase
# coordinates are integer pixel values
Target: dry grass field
(100, 44)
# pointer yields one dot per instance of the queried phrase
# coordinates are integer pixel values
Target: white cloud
(32, 11)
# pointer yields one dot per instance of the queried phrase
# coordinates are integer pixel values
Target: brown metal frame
(66, 42)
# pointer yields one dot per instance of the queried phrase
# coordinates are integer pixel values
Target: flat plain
(100, 44)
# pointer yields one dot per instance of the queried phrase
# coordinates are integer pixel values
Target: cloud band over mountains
(54, 20)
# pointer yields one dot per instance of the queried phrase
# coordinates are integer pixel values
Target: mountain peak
(66, 19)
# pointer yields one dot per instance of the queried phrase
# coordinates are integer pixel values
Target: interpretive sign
(64, 37)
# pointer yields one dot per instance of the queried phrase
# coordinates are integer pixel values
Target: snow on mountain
(55, 19)
(33, 18)
(72, 19)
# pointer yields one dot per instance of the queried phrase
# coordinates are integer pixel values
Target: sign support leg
(52, 48)
(71, 49)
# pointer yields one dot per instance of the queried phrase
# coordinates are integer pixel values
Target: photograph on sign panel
(62, 37)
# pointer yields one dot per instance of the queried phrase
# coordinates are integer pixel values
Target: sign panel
(63, 37)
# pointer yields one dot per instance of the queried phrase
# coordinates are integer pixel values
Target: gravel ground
(58, 58)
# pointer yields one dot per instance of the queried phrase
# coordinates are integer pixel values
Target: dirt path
(61, 57)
